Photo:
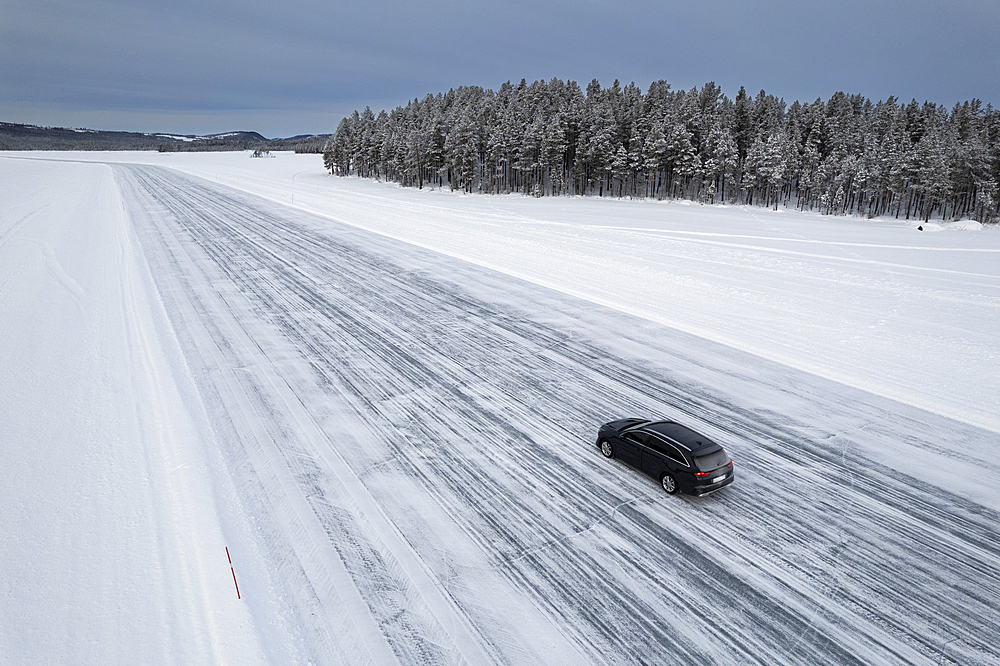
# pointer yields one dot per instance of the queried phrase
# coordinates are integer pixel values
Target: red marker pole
(234, 573)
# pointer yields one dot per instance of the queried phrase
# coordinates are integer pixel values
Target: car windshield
(710, 461)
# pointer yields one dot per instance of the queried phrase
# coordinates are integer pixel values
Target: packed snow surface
(383, 403)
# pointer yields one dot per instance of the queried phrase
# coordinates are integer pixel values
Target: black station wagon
(676, 456)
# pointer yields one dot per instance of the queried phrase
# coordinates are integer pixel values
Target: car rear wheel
(669, 483)
(606, 449)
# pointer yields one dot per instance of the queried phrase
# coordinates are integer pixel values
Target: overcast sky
(285, 67)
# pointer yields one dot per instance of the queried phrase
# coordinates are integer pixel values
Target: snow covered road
(396, 446)
(410, 439)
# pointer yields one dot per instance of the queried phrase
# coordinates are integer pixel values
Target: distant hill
(14, 136)
(299, 137)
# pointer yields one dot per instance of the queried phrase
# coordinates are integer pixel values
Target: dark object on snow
(676, 456)
(920, 228)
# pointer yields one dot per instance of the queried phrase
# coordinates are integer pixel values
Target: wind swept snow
(393, 431)
(113, 548)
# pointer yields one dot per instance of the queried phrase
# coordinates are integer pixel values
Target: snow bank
(113, 548)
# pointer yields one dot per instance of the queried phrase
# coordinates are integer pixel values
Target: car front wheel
(669, 483)
(606, 450)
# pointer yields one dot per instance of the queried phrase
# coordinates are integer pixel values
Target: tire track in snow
(326, 600)
(379, 566)
(489, 410)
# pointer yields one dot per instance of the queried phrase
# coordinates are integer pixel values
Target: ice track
(412, 438)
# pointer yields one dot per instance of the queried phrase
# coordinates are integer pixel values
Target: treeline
(14, 136)
(309, 144)
(844, 155)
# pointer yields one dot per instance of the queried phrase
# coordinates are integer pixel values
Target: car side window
(656, 445)
(671, 452)
(637, 437)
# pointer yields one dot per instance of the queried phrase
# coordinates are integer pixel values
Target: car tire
(607, 450)
(669, 483)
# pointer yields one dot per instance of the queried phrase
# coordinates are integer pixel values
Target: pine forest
(843, 156)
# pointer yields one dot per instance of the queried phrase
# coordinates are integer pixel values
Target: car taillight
(702, 473)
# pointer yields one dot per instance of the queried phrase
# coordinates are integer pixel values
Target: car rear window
(710, 461)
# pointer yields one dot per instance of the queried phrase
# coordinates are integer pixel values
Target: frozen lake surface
(383, 402)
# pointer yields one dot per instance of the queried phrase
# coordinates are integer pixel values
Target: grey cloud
(268, 59)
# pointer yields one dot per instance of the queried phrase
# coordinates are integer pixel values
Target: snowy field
(382, 401)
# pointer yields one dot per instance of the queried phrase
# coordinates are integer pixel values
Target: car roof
(689, 439)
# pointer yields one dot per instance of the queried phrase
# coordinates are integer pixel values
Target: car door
(654, 458)
(662, 457)
(628, 449)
